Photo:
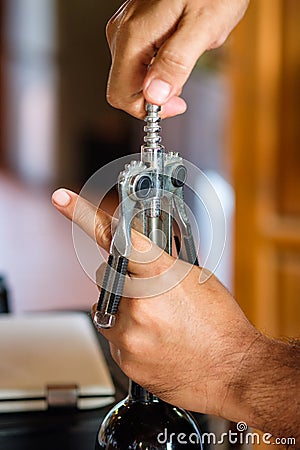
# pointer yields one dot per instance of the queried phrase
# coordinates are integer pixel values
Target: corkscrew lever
(187, 251)
(115, 273)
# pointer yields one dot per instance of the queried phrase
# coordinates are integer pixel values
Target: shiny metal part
(152, 128)
(104, 320)
(62, 395)
(150, 193)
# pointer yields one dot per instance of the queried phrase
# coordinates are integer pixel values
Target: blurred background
(242, 128)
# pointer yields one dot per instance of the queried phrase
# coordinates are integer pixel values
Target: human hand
(184, 344)
(170, 36)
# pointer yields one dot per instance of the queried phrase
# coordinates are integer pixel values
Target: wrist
(232, 374)
(265, 387)
(237, 405)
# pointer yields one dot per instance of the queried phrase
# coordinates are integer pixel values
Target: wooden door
(1, 82)
(265, 72)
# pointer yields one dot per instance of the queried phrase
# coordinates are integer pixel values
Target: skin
(170, 36)
(220, 364)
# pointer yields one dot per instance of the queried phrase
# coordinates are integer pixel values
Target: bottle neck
(137, 393)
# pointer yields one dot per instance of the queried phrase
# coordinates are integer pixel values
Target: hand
(171, 36)
(184, 344)
(192, 345)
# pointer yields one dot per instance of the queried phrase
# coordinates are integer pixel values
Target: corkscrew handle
(190, 251)
(111, 291)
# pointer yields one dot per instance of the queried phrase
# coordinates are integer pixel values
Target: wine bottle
(4, 306)
(143, 421)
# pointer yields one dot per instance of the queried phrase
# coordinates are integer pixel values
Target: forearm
(265, 390)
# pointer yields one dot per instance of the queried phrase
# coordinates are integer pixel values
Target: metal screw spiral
(152, 127)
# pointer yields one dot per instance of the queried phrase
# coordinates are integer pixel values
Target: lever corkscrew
(150, 196)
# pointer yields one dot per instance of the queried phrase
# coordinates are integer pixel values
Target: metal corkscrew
(150, 197)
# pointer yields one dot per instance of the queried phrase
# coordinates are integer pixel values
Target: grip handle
(111, 291)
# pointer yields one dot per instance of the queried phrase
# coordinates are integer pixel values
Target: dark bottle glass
(4, 306)
(142, 421)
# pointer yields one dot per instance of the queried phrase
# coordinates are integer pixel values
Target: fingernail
(158, 91)
(61, 198)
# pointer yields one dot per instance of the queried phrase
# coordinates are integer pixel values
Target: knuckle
(112, 26)
(220, 40)
(129, 27)
(109, 31)
(138, 312)
(115, 99)
(103, 233)
(128, 342)
(136, 108)
(112, 98)
(123, 22)
(134, 344)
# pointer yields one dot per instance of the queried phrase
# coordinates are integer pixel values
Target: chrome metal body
(150, 196)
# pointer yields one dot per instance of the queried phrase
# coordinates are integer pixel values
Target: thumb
(175, 60)
(202, 25)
